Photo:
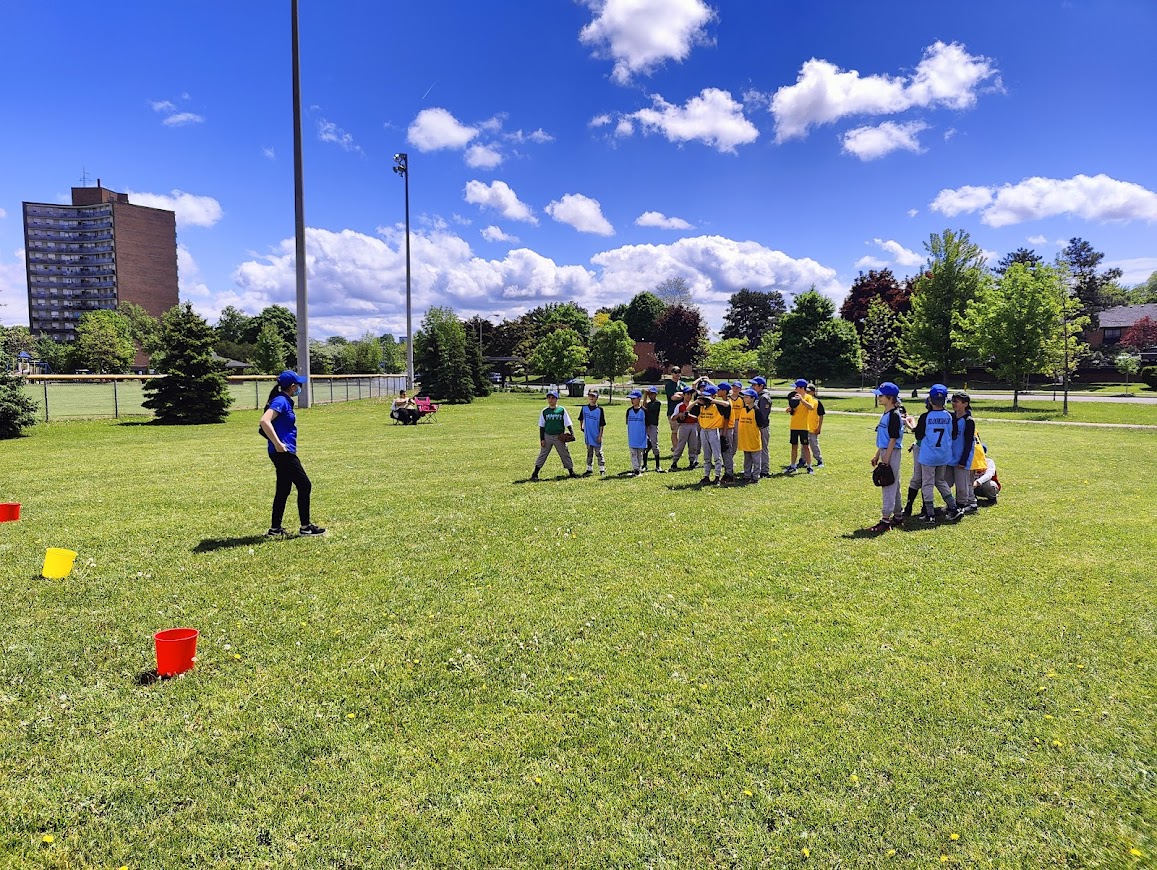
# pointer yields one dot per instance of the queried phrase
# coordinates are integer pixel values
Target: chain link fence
(70, 397)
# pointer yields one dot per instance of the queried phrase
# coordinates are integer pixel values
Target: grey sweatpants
(893, 504)
(551, 442)
(764, 457)
(688, 438)
(752, 465)
(712, 453)
(935, 477)
(813, 441)
(593, 451)
(653, 441)
(729, 450)
(963, 484)
(638, 458)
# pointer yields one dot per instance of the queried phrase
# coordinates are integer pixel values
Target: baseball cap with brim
(654, 390)
(759, 380)
(710, 390)
(288, 377)
(594, 393)
(801, 382)
(634, 394)
(962, 396)
(723, 386)
(551, 394)
(886, 389)
(688, 389)
(749, 393)
(938, 391)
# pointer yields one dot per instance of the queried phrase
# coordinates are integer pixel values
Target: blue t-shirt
(285, 423)
(888, 428)
(936, 445)
(637, 428)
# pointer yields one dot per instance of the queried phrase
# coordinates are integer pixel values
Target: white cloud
(269, 153)
(192, 287)
(713, 118)
(912, 212)
(967, 198)
(624, 127)
(869, 143)
(14, 290)
(3, 214)
(482, 157)
(500, 197)
(1037, 240)
(182, 119)
(538, 137)
(328, 131)
(192, 210)
(642, 34)
(660, 220)
(900, 255)
(495, 234)
(869, 262)
(947, 76)
(434, 129)
(1136, 269)
(357, 281)
(949, 133)
(1093, 198)
(162, 105)
(582, 213)
(599, 121)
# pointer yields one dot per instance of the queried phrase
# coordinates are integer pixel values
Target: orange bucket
(9, 511)
(176, 650)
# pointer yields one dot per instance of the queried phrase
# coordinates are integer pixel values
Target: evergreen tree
(271, 351)
(1092, 287)
(1021, 255)
(17, 408)
(642, 314)
(193, 389)
(440, 355)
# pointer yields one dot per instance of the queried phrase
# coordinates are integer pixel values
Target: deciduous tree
(104, 342)
(879, 339)
(730, 356)
(880, 284)
(1014, 322)
(674, 291)
(559, 355)
(1141, 334)
(680, 336)
(641, 314)
(751, 314)
(810, 342)
(612, 352)
(271, 350)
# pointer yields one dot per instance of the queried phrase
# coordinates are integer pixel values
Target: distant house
(1115, 322)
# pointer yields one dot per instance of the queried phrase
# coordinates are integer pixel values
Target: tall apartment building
(94, 254)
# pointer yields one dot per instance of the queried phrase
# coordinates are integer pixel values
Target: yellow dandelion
(854, 779)
(1136, 853)
(1058, 744)
(1048, 715)
(237, 656)
(48, 838)
(748, 793)
(1080, 667)
(538, 780)
(806, 852)
(1051, 674)
(891, 853)
(943, 859)
(953, 836)
(351, 715)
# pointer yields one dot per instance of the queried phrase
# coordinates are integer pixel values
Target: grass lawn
(474, 671)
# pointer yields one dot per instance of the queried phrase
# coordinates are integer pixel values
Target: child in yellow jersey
(749, 439)
(800, 406)
(713, 418)
(815, 425)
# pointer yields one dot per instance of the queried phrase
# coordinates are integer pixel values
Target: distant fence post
(45, 383)
(116, 408)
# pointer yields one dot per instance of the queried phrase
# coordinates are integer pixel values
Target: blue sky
(583, 149)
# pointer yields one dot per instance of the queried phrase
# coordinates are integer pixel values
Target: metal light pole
(299, 226)
(402, 167)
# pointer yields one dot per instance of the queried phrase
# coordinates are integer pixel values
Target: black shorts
(798, 436)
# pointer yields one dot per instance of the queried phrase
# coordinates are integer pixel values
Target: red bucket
(176, 650)
(9, 511)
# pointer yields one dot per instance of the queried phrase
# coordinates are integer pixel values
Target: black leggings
(290, 474)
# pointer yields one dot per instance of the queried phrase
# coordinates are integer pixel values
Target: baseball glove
(566, 438)
(882, 475)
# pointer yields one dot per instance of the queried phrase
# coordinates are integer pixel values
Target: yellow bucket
(57, 563)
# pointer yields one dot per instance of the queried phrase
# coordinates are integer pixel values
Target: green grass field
(474, 671)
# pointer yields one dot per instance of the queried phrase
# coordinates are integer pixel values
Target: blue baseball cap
(748, 392)
(710, 390)
(759, 380)
(801, 382)
(886, 389)
(634, 394)
(653, 389)
(938, 391)
(289, 377)
(723, 386)
(551, 394)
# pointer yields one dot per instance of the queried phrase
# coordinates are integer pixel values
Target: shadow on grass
(208, 545)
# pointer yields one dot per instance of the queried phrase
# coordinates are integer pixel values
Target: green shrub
(1149, 376)
(17, 408)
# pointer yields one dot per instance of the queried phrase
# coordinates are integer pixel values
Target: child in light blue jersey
(637, 432)
(592, 421)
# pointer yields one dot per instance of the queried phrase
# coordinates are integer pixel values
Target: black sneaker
(278, 532)
(929, 519)
(588, 473)
(534, 475)
(810, 470)
(311, 531)
(570, 473)
(705, 481)
(878, 528)
(695, 464)
(819, 465)
(954, 516)
(674, 466)
(971, 509)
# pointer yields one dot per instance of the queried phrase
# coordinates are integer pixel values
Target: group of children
(948, 455)
(715, 421)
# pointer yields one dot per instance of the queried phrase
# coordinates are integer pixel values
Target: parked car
(495, 377)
